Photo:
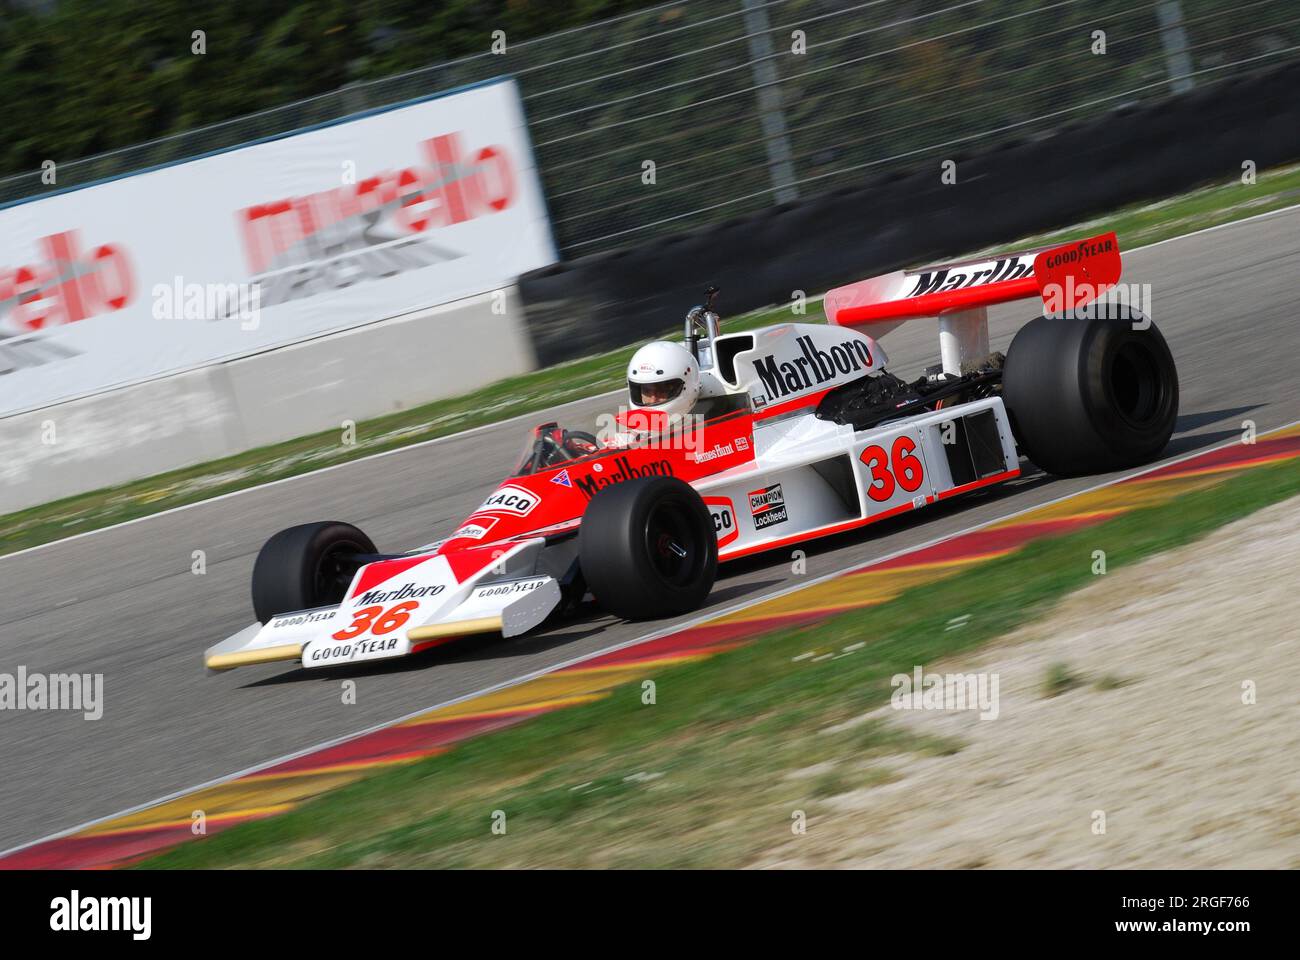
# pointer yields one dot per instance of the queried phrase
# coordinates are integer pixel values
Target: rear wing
(1066, 277)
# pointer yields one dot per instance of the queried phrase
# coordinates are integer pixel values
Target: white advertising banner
(267, 244)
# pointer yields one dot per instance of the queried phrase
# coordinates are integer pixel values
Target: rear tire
(1090, 395)
(306, 566)
(631, 542)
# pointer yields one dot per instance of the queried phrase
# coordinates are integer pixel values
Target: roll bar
(701, 318)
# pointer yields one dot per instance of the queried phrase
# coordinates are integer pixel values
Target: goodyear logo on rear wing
(1084, 248)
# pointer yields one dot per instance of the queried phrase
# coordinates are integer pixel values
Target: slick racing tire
(306, 566)
(1090, 395)
(648, 548)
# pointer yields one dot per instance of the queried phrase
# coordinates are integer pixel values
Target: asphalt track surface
(123, 601)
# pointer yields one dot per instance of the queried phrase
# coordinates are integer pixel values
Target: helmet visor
(655, 394)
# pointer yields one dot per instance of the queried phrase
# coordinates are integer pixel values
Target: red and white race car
(795, 431)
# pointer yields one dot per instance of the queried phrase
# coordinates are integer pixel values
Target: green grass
(1111, 681)
(1136, 225)
(710, 775)
(1145, 223)
(1060, 678)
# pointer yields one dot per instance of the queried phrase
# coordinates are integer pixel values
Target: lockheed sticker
(767, 506)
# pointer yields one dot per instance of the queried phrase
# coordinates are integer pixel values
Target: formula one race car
(738, 443)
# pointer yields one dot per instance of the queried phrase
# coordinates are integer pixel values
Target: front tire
(1091, 395)
(307, 566)
(648, 548)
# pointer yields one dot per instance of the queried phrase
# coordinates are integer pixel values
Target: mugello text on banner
(332, 228)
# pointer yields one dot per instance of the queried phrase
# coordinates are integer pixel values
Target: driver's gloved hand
(580, 443)
(565, 445)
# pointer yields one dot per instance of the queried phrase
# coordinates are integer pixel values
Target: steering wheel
(570, 445)
(553, 445)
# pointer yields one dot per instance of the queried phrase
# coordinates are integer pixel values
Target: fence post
(1174, 39)
(780, 164)
(353, 94)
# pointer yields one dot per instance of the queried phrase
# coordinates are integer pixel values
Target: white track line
(310, 473)
(498, 423)
(644, 638)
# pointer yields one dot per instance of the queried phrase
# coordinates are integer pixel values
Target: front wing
(404, 605)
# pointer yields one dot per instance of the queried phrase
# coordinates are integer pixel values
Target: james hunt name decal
(767, 506)
(715, 452)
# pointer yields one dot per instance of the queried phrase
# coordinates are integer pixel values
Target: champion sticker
(767, 506)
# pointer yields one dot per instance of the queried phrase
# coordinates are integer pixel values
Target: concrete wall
(227, 408)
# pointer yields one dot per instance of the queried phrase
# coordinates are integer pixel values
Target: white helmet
(663, 376)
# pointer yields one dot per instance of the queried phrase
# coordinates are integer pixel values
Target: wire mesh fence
(690, 113)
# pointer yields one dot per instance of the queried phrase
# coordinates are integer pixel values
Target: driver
(663, 377)
(663, 381)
